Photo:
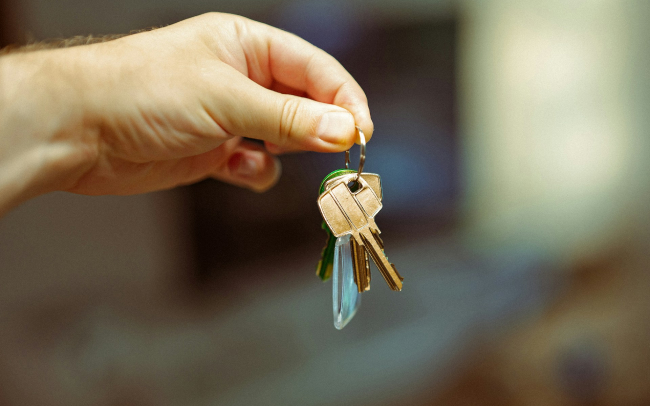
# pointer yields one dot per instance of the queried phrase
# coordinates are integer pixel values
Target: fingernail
(335, 127)
(247, 166)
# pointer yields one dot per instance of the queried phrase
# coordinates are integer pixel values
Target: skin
(169, 107)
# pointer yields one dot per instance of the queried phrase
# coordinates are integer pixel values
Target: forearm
(44, 143)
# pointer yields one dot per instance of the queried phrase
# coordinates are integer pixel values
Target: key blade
(375, 233)
(360, 262)
(388, 270)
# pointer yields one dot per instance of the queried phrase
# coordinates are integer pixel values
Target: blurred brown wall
(11, 23)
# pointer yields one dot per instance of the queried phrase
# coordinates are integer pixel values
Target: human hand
(168, 107)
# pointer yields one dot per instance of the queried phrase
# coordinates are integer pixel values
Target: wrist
(45, 144)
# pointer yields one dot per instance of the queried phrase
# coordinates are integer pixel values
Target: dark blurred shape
(581, 373)
(333, 26)
(9, 21)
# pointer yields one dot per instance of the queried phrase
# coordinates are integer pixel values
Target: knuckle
(288, 119)
(212, 16)
(216, 19)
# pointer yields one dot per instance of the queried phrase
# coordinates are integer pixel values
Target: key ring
(362, 154)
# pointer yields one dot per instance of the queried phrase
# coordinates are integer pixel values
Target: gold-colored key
(361, 266)
(348, 212)
(360, 258)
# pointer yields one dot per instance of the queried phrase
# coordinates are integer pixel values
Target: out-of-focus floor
(127, 333)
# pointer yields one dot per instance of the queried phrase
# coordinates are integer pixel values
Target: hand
(168, 107)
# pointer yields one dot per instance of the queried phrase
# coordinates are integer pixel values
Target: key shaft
(361, 264)
(388, 270)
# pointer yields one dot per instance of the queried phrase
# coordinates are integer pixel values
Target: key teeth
(397, 273)
(365, 288)
(376, 233)
(394, 281)
(395, 287)
(360, 265)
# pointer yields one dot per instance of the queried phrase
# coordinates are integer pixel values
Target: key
(361, 261)
(360, 256)
(361, 266)
(347, 212)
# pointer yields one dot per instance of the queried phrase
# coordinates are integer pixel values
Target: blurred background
(511, 137)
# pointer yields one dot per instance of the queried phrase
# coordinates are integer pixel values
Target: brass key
(347, 212)
(360, 258)
(361, 265)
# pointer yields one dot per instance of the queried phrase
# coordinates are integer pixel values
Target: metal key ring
(362, 154)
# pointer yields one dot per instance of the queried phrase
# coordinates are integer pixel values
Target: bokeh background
(511, 137)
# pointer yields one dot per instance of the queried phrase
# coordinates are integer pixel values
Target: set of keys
(349, 201)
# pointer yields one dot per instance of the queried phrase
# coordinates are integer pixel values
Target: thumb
(288, 121)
